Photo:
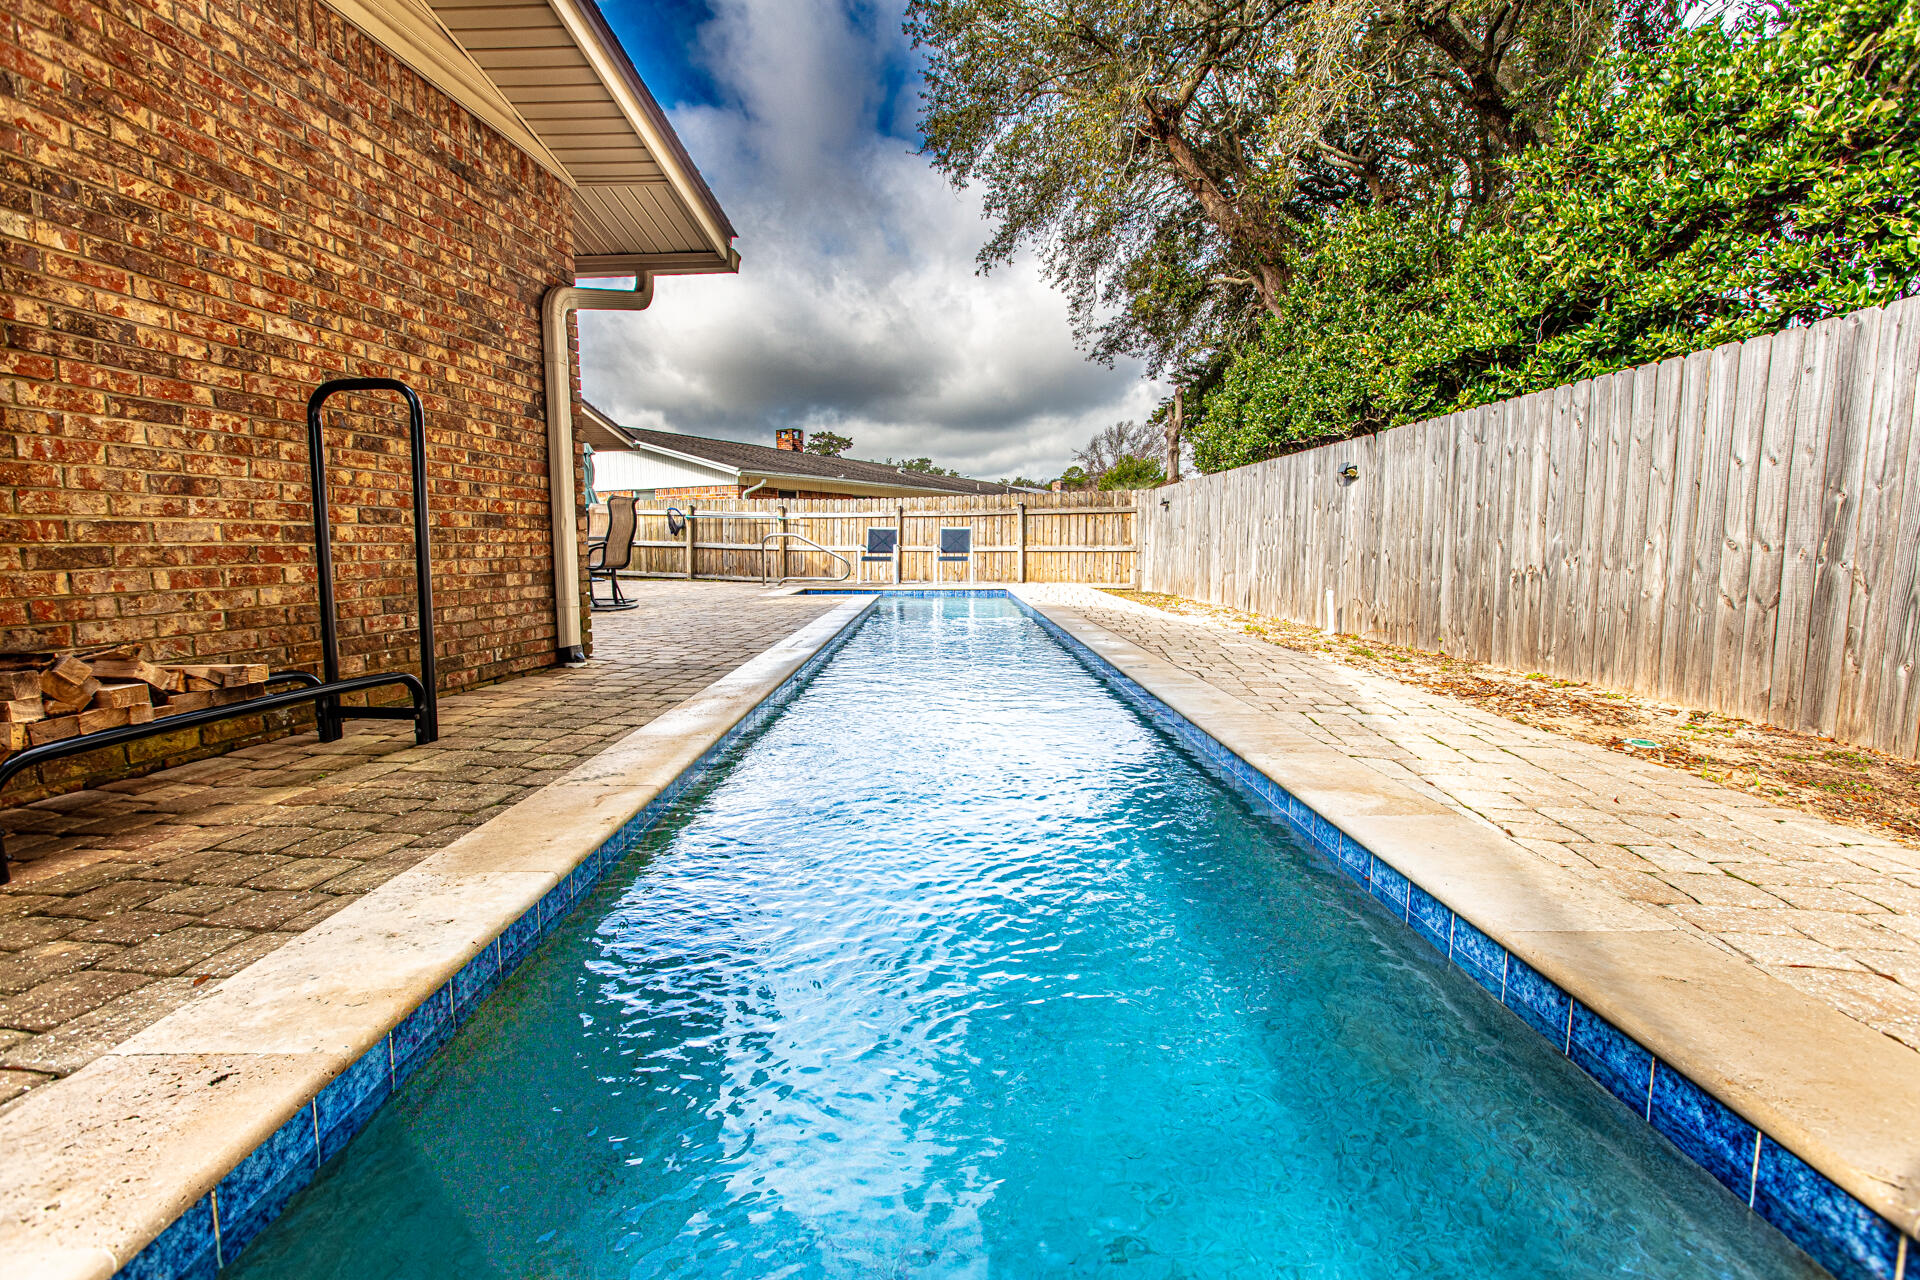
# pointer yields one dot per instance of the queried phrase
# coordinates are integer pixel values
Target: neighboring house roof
(750, 462)
(551, 76)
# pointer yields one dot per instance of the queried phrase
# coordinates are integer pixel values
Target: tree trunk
(1173, 439)
(1250, 240)
(1485, 96)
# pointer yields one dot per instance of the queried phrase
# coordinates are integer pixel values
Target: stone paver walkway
(1831, 910)
(133, 899)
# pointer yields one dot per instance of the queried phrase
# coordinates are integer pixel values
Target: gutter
(808, 480)
(560, 302)
(879, 488)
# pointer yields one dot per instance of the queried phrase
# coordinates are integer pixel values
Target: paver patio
(1832, 910)
(137, 897)
(132, 899)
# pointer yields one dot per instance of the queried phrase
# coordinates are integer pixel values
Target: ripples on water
(961, 970)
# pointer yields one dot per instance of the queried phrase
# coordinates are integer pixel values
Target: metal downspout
(560, 302)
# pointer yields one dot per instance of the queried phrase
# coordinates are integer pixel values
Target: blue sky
(858, 308)
(661, 39)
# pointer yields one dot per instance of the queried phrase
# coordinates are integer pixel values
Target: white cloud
(858, 308)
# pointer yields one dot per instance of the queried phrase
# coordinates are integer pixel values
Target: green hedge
(1734, 181)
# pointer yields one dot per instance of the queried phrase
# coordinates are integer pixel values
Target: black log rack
(326, 690)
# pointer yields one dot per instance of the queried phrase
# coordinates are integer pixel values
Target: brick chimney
(792, 439)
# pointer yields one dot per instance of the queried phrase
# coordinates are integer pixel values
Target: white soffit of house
(618, 470)
(551, 76)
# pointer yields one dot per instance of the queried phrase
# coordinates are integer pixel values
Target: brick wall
(206, 208)
(187, 251)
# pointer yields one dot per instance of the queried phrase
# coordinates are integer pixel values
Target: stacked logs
(47, 696)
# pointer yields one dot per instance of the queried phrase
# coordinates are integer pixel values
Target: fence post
(899, 541)
(1020, 542)
(780, 526)
(1135, 524)
(689, 542)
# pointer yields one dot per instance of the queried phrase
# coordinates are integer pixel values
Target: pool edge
(302, 1055)
(1796, 1173)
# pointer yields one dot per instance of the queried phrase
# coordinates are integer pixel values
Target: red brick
(222, 203)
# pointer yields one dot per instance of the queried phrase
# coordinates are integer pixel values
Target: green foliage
(1133, 472)
(1722, 185)
(1734, 183)
(1075, 478)
(1163, 155)
(827, 444)
(1334, 361)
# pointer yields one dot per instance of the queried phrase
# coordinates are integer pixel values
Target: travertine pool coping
(1843, 1097)
(95, 1166)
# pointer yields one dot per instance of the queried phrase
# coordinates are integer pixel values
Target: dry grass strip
(1852, 785)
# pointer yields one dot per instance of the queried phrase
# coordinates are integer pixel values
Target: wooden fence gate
(1085, 537)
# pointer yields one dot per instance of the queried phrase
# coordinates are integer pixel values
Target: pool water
(959, 968)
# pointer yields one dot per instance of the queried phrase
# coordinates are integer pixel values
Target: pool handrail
(846, 565)
(324, 691)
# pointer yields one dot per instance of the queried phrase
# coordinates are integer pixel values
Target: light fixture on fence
(1350, 472)
(1165, 503)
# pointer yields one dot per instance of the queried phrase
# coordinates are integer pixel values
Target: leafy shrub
(1132, 472)
(1730, 182)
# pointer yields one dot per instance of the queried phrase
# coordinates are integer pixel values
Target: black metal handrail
(325, 693)
(328, 709)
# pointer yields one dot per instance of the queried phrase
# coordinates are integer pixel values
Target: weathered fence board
(1718, 380)
(1722, 673)
(1877, 695)
(1813, 421)
(1643, 665)
(1785, 376)
(1738, 529)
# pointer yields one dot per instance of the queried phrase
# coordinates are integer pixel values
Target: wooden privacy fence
(1737, 530)
(1017, 537)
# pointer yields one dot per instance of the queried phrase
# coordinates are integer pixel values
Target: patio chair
(607, 556)
(956, 547)
(881, 544)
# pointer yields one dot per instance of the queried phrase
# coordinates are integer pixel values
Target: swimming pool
(958, 966)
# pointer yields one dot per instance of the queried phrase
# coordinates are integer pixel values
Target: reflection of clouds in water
(858, 309)
(817, 1061)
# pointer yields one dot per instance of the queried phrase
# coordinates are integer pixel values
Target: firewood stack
(47, 696)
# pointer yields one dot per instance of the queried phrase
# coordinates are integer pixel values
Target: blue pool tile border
(1834, 1229)
(211, 1234)
(187, 1250)
(1837, 1231)
(259, 1187)
(1842, 1235)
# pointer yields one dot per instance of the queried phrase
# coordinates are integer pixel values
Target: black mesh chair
(956, 547)
(881, 544)
(607, 556)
